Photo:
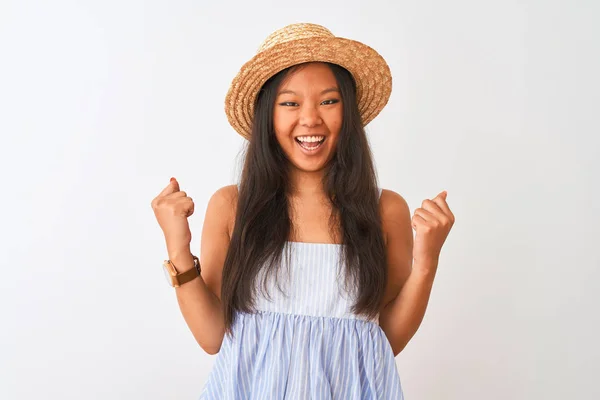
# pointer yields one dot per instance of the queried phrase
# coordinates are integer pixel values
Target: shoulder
(392, 204)
(222, 206)
(395, 214)
(216, 236)
(225, 194)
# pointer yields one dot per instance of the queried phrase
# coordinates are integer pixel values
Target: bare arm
(400, 318)
(403, 316)
(199, 299)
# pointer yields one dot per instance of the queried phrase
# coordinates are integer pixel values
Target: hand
(172, 207)
(432, 224)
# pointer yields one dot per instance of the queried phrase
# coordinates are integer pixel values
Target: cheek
(282, 128)
(335, 123)
(338, 125)
(282, 121)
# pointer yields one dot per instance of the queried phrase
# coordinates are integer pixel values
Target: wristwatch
(175, 278)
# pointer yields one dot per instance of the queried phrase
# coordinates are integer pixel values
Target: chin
(310, 166)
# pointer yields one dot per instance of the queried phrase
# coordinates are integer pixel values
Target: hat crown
(301, 43)
(294, 32)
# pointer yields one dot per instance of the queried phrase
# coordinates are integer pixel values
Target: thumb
(175, 185)
(172, 187)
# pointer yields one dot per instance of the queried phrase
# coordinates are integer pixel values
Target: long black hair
(263, 219)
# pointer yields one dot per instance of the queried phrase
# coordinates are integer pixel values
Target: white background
(102, 102)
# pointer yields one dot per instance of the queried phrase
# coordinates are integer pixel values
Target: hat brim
(369, 69)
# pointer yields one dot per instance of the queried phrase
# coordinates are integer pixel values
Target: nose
(310, 116)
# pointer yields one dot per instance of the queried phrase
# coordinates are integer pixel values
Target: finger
(441, 203)
(190, 206)
(417, 221)
(182, 206)
(191, 210)
(440, 200)
(425, 215)
(172, 187)
(176, 195)
(439, 214)
(442, 195)
(432, 207)
(178, 199)
(176, 183)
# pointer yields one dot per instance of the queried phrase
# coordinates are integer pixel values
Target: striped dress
(306, 343)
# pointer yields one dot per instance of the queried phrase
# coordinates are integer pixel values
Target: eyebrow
(328, 90)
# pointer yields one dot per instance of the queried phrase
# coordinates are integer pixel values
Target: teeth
(310, 138)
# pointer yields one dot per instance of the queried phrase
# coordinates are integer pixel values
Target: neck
(306, 183)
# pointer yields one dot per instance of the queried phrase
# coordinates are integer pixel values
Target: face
(308, 116)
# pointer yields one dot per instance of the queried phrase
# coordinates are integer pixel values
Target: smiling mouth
(310, 143)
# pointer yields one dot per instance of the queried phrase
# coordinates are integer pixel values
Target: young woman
(309, 281)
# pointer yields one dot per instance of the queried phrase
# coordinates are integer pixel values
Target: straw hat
(300, 43)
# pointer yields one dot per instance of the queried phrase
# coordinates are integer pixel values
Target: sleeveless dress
(305, 343)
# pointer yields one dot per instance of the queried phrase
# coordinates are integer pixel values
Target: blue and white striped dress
(306, 344)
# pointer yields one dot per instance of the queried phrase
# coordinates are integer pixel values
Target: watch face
(168, 276)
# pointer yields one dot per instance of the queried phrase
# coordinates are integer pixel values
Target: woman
(309, 282)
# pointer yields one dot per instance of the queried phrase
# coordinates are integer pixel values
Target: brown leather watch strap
(189, 275)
